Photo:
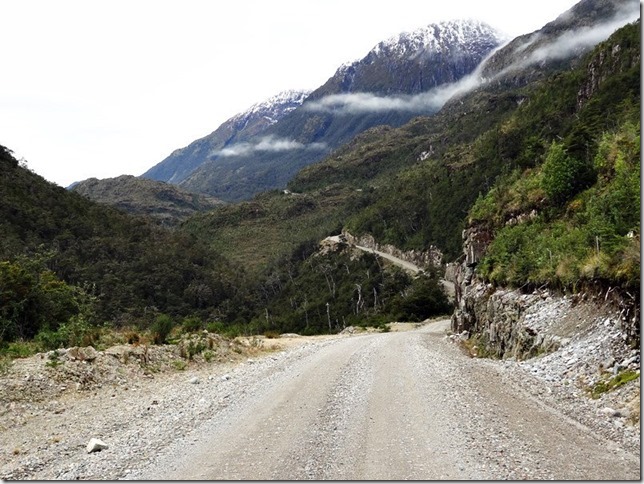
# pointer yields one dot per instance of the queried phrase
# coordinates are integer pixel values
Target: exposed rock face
(423, 259)
(606, 63)
(511, 323)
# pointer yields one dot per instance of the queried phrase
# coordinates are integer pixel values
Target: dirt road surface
(399, 405)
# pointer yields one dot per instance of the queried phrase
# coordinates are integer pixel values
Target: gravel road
(407, 405)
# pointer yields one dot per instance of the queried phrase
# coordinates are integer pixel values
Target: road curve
(393, 406)
(406, 265)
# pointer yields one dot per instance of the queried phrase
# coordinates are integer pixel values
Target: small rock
(225, 377)
(628, 361)
(250, 361)
(608, 363)
(95, 445)
(194, 380)
(610, 412)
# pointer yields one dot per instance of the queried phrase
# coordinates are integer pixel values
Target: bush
(161, 328)
(563, 175)
(75, 332)
(192, 325)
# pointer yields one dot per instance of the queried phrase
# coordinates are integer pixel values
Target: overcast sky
(103, 88)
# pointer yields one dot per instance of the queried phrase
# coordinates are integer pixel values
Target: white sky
(108, 87)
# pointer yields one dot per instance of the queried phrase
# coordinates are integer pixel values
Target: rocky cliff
(513, 323)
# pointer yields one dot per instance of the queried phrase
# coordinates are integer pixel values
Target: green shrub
(617, 381)
(20, 349)
(216, 327)
(192, 324)
(563, 175)
(161, 328)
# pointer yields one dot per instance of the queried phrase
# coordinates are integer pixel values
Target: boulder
(87, 353)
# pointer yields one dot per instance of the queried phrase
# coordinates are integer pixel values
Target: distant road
(408, 266)
(413, 268)
(393, 406)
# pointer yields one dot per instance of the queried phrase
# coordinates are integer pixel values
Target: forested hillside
(67, 260)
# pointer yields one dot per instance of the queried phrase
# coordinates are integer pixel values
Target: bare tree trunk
(359, 287)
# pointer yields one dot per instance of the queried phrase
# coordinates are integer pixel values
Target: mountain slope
(252, 122)
(139, 196)
(558, 43)
(388, 86)
(62, 254)
(413, 186)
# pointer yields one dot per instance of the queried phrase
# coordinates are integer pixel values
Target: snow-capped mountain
(252, 122)
(290, 131)
(465, 35)
(413, 62)
(273, 109)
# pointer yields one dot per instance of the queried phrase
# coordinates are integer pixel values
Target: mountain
(527, 185)
(139, 196)
(560, 42)
(413, 186)
(253, 122)
(393, 83)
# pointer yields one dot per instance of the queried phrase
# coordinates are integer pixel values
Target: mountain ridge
(164, 202)
(251, 122)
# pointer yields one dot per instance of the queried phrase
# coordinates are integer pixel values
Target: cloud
(266, 144)
(571, 42)
(364, 102)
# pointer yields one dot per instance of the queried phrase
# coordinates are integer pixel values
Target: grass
(476, 347)
(611, 384)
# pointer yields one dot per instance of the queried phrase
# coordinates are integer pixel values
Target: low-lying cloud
(364, 102)
(266, 144)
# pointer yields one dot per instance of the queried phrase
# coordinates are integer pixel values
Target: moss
(617, 381)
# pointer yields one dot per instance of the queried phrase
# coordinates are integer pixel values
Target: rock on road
(395, 406)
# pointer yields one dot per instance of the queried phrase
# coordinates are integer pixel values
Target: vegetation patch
(611, 384)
